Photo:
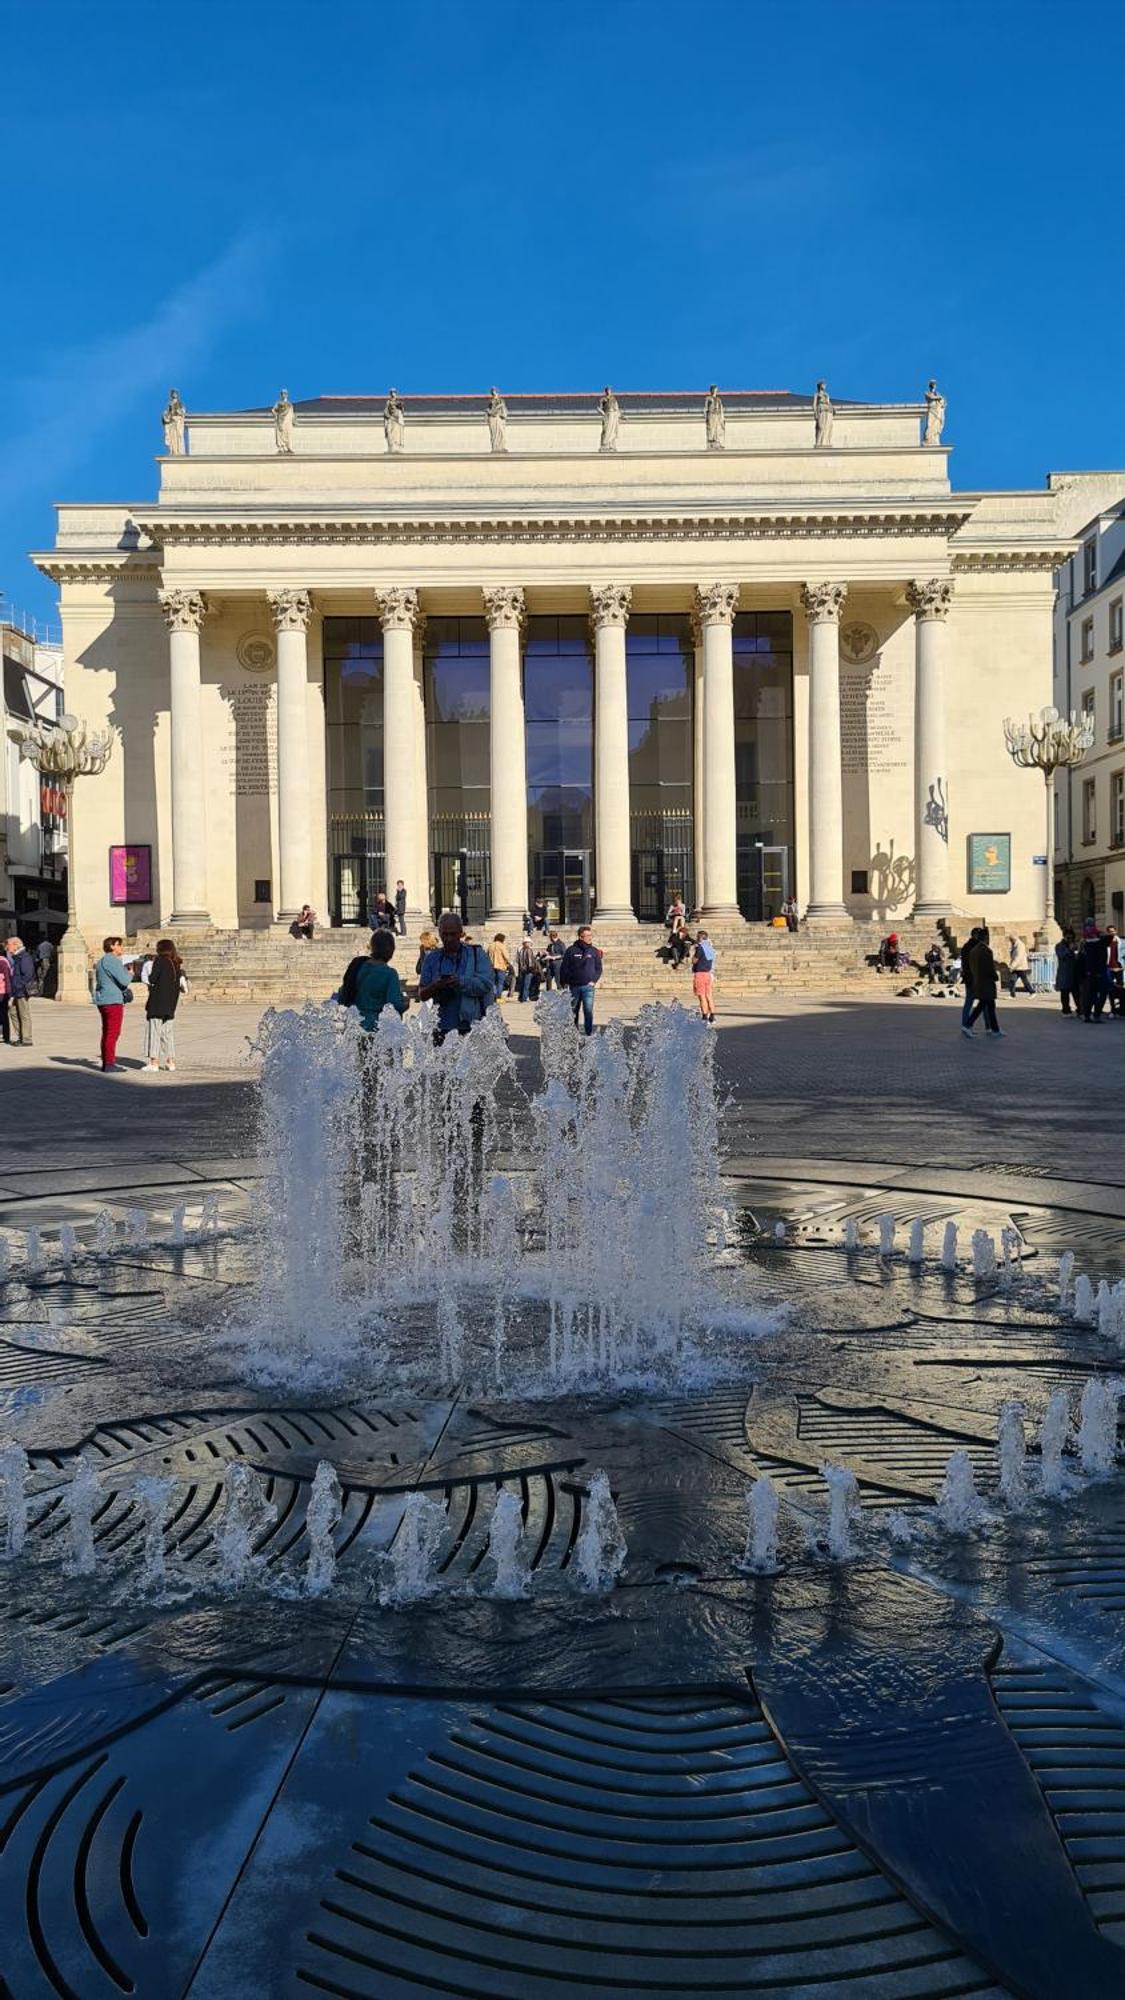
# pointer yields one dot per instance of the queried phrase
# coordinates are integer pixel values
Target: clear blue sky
(554, 194)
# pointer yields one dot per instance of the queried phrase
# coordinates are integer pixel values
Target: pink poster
(130, 874)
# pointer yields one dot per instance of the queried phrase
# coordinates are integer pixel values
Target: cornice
(64, 568)
(1014, 561)
(349, 529)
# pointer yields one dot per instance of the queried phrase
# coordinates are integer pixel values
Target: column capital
(823, 602)
(716, 603)
(398, 608)
(932, 599)
(504, 606)
(291, 609)
(610, 603)
(184, 610)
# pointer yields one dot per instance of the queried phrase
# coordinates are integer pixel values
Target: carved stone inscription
(249, 757)
(872, 731)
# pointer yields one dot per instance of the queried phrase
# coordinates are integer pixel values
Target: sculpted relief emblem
(858, 642)
(254, 652)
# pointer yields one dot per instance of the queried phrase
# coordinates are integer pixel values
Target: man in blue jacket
(24, 984)
(457, 977)
(580, 971)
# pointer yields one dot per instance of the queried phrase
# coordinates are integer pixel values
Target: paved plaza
(888, 1771)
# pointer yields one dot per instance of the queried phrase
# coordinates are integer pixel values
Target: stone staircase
(269, 965)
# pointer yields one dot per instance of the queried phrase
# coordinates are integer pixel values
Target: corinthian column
(930, 603)
(184, 611)
(291, 612)
(609, 608)
(715, 606)
(823, 603)
(504, 610)
(398, 610)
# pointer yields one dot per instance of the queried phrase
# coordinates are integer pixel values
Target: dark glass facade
(763, 757)
(458, 705)
(558, 693)
(353, 699)
(660, 672)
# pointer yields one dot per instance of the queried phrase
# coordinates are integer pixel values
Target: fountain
(83, 1499)
(1083, 1301)
(35, 1259)
(209, 1216)
(600, 1550)
(886, 1225)
(176, 1231)
(984, 1255)
(843, 1510)
(325, 1506)
(1097, 1426)
(949, 1247)
(779, 1232)
(14, 1471)
(1054, 1436)
(1066, 1274)
(851, 1234)
(960, 1508)
(153, 1496)
(136, 1229)
(105, 1233)
(70, 1249)
(1011, 1451)
(1011, 1245)
(1103, 1305)
(247, 1515)
(916, 1252)
(899, 1527)
(762, 1512)
(410, 1569)
(1111, 1314)
(507, 1549)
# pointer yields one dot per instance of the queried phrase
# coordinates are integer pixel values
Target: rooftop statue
(611, 419)
(173, 420)
(282, 414)
(394, 422)
(497, 420)
(935, 415)
(822, 415)
(716, 418)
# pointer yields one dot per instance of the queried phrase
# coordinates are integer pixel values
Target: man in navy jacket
(580, 971)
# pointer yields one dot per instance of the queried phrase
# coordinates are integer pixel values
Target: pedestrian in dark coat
(1066, 970)
(986, 985)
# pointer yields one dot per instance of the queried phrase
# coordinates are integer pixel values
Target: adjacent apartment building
(1090, 680)
(33, 830)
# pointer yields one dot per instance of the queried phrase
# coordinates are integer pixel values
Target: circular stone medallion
(858, 642)
(255, 652)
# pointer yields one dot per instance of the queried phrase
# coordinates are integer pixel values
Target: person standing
(5, 996)
(44, 953)
(1093, 974)
(526, 967)
(501, 965)
(580, 972)
(371, 983)
(703, 975)
(986, 982)
(1019, 966)
(400, 906)
(967, 951)
(457, 976)
(113, 990)
(1115, 969)
(1066, 971)
(165, 984)
(23, 985)
(554, 955)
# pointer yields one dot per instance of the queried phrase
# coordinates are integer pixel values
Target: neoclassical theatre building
(598, 649)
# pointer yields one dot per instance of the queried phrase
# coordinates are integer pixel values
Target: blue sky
(447, 193)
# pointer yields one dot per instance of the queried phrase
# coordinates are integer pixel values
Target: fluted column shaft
(930, 603)
(421, 786)
(398, 610)
(183, 614)
(715, 606)
(609, 605)
(504, 610)
(823, 603)
(292, 610)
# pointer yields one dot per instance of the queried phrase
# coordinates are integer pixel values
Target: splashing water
(600, 1550)
(70, 1249)
(411, 1571)
(247, 1516)
(153, 1496)
(1066, 1274)
(1097, 1426)
(507, 1548)
(960, 1508)
(35, 1259)
(844, 1510)
(1011, 1247)
(5, 1257)
(899, 1527)
(83, 1498)
(1103, 1305)
(105, 1232)
(851, 1234)
(916, 1253)
(14, 1471)
(136, 1228)
(325, 1506)
(209, 1215)
(984, 1254)
(1083, 1301)
(176, 1231)
(887, 1227)
(779, 1232)
(949, 1247)
(1054, 1436)
(1011, 1452)
(763, 1509)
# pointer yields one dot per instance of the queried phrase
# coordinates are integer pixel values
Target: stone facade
(920, 617)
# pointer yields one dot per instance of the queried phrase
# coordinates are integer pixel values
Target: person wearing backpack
(458, 978)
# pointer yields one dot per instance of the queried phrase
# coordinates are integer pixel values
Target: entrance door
(575, 876)
(462, 883)
(357, 880)
(763, 881)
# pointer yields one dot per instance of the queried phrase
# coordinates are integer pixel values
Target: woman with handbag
(113, 989)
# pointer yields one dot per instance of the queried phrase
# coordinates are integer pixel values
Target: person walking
(458, 977)
(1066, 972)
(23, 985)
(5, 997)
(986, 982)
(703, 975)
(113, 990)
(579, 972)
(166, 982)
(400, 906)
(371, 983)
(1019, 966)
(967, 951)
(501, 965)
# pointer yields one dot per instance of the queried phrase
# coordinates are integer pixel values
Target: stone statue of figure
(394, 422)
(611, 419)
(173, 420)
(283, 422)
(716, 419)
(935, 415)
(497, 420)
(822, 414)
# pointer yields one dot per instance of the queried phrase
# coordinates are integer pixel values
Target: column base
(72, 970)
(1047, 935)
(931, 910)
(722, 913)
(418, 920)
(827, 916)
(191, 920)
(614, 913)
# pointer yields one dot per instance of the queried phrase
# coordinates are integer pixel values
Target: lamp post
(1049, 742)
(65, 751)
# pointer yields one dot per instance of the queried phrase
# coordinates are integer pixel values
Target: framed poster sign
(990, 864)
(130, 874)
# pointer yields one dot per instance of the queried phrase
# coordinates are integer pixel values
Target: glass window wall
(353, 698)
(763, 746)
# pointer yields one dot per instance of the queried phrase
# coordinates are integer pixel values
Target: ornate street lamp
(65, 751)
(1049, 742)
